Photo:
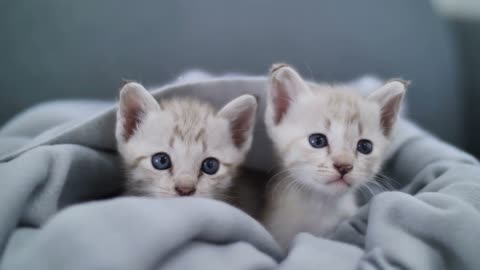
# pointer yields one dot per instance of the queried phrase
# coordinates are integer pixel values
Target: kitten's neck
(289, 211)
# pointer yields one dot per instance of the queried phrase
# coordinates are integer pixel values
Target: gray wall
(467, 32)
(54, 49)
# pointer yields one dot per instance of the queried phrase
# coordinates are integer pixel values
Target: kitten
(181, 147)
(329, 141)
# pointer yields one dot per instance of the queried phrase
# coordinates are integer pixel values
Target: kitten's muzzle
(185, 190)
(185, 184)
(343, 168)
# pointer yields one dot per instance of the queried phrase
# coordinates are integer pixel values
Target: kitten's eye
(210, 165)
(318, 140)
(365, 147)
(161, 161)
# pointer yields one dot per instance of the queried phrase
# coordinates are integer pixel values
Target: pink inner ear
(132, 113)
(240, 127)
(389, 114)
(280, 101)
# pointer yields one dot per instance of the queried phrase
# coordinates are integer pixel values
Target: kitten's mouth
(339, 181)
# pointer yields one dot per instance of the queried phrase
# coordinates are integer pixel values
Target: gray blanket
(59, 170)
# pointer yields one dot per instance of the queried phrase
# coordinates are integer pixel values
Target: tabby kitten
(181, 147)
(329, 141)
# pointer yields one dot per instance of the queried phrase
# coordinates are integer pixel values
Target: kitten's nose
(185, 184)
(343, 168)
(185, 190)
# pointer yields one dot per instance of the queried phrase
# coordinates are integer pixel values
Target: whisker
(390, 180)
(366, 188)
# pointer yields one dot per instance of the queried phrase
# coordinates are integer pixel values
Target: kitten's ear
(135, 103)
(240, 114)
(284, 86)
(390, 97)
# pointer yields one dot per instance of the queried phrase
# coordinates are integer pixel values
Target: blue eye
(318, 140)
(365, 147)
(210, 165)
(161, 161)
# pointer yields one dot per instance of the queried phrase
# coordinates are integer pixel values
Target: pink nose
(343, 168)
(185, 190)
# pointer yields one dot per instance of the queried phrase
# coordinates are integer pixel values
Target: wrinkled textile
(59, 171)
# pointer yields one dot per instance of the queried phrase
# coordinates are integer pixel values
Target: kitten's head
(181, 146)
(329, 137)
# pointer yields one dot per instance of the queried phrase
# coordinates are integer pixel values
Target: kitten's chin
(327, 187)
(336, 185)
(344, 185)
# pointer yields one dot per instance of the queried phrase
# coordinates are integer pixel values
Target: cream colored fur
(188, 131)
(304, 195)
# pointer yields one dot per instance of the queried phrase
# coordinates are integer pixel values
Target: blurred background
(56, 49)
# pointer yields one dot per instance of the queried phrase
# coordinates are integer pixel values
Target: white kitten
(329, 141)
(181, 147)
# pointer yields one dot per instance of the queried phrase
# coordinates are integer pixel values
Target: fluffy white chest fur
(295, 211)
